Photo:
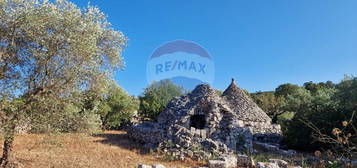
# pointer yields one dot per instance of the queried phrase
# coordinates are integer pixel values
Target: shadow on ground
(120, 139)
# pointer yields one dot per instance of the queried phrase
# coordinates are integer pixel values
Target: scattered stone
(216, 164)
(281, 163)
(268, 147)
(224, 162)
(190, 154)
(267, 165)
(244, 160)
(231, 161)
(144, 166)
(158, 166)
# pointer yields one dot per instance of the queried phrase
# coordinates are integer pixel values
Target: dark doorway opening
(198, 121)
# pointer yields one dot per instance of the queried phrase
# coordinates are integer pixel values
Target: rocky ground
(110, 149)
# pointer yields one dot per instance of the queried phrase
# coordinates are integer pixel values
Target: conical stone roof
(243, 106)
(233, 99)
(202, 96)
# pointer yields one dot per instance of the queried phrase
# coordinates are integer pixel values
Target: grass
(107, 149)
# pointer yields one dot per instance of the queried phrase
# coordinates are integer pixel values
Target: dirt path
(105, 150)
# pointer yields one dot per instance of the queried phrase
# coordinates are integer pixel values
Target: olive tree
(49, 50)
(270, 103)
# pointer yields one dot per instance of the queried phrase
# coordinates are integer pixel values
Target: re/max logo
(180, 65)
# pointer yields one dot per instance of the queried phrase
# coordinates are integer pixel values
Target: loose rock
(158, 166)
(281, 163)
(267, 165)
(216, 164)
(144, 166)
(244, 160)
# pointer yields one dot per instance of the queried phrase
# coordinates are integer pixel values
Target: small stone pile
(203, 125)
(151, 166)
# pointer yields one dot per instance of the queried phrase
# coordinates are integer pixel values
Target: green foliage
(286, 89)
(118, 107)
(334, 164)
(283, 118)
(260, 157)
(318, 111)
(290, 104)
(50, 51)
(318, 108)
(9, 109)
(313, 87)
(168, 144)
(218, 92)
(157, 96)
(313, 111)
(168, 157)
(214, 156)
(57, 50)
(270, 103)
(68, 115)
(347, 93)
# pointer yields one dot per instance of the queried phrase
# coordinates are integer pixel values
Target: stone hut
(202, 123)
(251, 115)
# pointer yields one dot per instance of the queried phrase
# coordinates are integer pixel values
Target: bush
(51, 115)
(157, 96)
(319, 109)
(117, 108)
(86, 111)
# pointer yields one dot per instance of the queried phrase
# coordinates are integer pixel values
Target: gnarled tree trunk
(7, 152)
(8, 146)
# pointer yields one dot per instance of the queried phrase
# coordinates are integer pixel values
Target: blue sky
(259, 43)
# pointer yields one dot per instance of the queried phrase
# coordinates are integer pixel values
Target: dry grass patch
(107, 149)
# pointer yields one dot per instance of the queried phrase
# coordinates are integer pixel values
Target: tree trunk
(9, 136)
(7, 151)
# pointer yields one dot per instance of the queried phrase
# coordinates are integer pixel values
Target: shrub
(117, 108)
(320, 110)
(62, 116)
(157, 96)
